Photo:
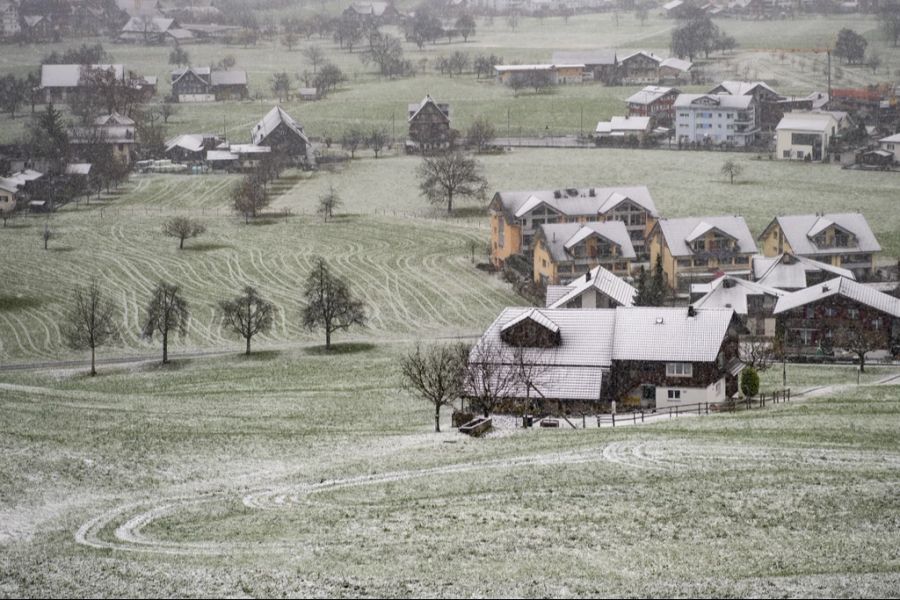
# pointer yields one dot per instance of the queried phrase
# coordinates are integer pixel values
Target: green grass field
(295, 473)
(370, 100)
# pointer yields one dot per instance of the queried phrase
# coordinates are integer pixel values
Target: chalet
(805, 136)
(9, 19)
(38, 28)
(840, 239)
(675, 70)
(624, 128)
(699, 249)
(639, 68)
(812, 101)
(429, 124)
(716, 119)
(752, 302)
(790, 272)
(892, 145)
(516, 216)
(191, 147)
(549, 74)
(766, 99)
(17, 189)
(203, 84)
(599, 288)
(285, 136)
(822, 316)
(114, 130)
(583, 359)
(154, 30)
(599, 65)
(378, 13)
(654, 101)
(60, 81)
(565, 251)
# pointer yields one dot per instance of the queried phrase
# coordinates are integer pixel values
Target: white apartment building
(716, 119)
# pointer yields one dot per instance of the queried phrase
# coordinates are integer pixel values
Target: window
(674, 394)
(830, 312)
(853, 313)
(786, 154)
(501, 232)
(876, 323)
(679, 369)
(809, 312)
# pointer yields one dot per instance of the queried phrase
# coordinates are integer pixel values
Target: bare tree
(248, 314)
(481, 133)
(732, 169)
(248, 197)
(488, 378)
(290, 39)
(758, 353)
(47, 234)
(183, 228)
(90, 322)
(167, 110)
(450, 175)
(352, 139)
(167, 312)
(328, 202)
(853, 336)
(329, 302)
(435, 374)
(314, 56)
(377, 140)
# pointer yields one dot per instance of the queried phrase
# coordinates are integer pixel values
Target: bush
(749, 382)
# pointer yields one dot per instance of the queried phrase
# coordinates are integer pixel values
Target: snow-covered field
(297, 473)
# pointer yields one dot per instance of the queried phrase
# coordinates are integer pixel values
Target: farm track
(124, 528)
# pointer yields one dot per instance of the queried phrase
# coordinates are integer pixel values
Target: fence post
(614, 419)
(642, 415)
(707, 408)
(676, 411)
(634, 417)
(583, 421)
(698, 408)
(789, 394)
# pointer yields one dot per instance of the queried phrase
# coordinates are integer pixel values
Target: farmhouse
(639, 68)
(378, 13)
(699, 249)
(805, 136)
(831, 314)
(564, 251)
(753, 302)
(539, 75)
(280, 132)
(429, 123)
(651, 357)
(190, 147)
(599, 288)
(654, 101)
(17, 188)
(892, 145)
(60, 81)
(674, 70)
(516, 216)
(791, 273)
(115, 130)
(621, 128)
(599, 65)
(154, 30)
(840, 239)
(203, 84)
(716, 119)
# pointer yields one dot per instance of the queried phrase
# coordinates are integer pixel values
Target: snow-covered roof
(798, 231)
(534, 315)
(375, 9)
(789, 272)
(214, 155)
(575, 201)
(415, 109)
(650, 94)
(719, 100)
(561, 238)
(891, 139)
(840, 286)
(815, 122)
(599, 279)
(728, 291)
(624, 124)
(679, 232)
(192, 142)
(651, 333)
(536, 67)
(677, 63)
(742, 88)
(78, 169)
(585, 57)
(644, 53)
(113, 119)
(228, 78)
(271, 121)
(249, 149)
(148, 25)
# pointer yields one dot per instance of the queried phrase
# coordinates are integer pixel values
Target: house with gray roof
(599, 65)
(891, 144)
(429, 124)
(204, 84)
(582, 359)
(654, 101)
(599, 288)
(752, 302)
(58, 82)
(767, 100)
(565, 251)
(148, 29)
(517, 215)
(699, 249)
(790, 272)
(285, 136)
(827, 315)
(116, 131)
(842, 240)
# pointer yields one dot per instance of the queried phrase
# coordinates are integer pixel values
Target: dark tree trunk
(437, 418)
(165, 347)
(181, 244)
(327, 338)
(248, 346)
(93, 362)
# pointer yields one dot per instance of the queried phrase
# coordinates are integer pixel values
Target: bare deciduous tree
(248, 314)
(488, 378)
(314, 56)
(90, 322)
(249, 197)
(732, 169)
(183, 228)
(167, 312)
(328, 202)
(481, 133)
(329, 303)
(377, 140)
(853, 336)
(435, 374)
(758, 353)
(450, 175)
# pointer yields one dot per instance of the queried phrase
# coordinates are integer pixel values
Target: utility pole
(828, 53)
(581, 126)
(508, 140)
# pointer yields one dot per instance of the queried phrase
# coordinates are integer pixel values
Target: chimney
(692, 312)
